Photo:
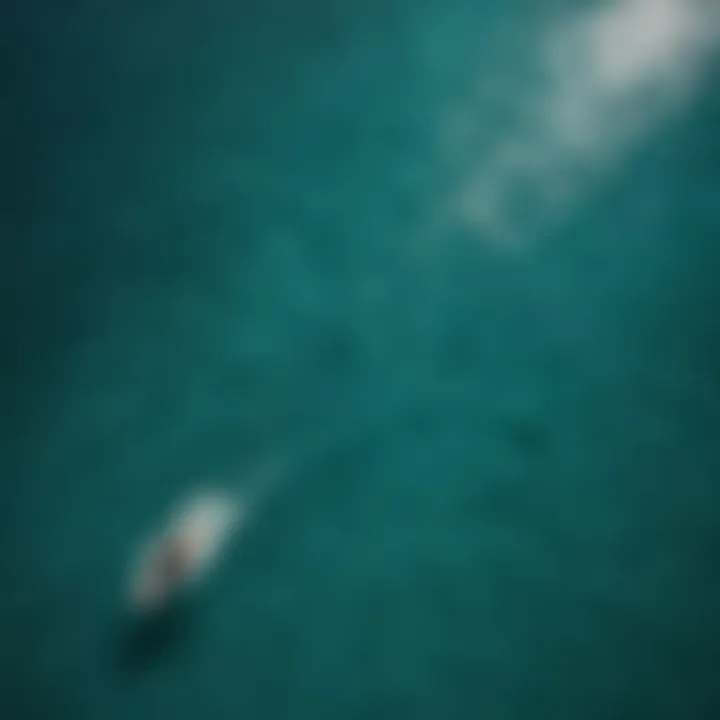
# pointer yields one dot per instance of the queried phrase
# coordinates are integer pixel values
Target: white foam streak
(610, 77)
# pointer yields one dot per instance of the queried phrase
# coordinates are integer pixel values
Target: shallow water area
(432, 286)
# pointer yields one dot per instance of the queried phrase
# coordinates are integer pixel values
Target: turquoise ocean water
(227, 240)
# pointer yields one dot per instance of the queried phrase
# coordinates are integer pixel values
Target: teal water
(225, 243)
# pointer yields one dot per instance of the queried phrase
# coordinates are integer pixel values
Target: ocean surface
(435, 283)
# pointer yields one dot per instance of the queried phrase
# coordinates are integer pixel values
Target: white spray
(200, 528)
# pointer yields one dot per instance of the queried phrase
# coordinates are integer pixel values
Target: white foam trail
(609, 78)
(207, 521)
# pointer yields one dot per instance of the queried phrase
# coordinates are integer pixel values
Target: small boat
(185, 551)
